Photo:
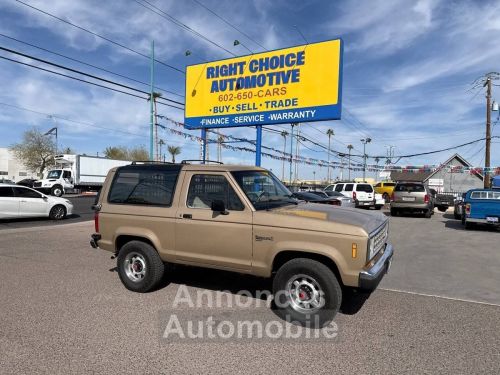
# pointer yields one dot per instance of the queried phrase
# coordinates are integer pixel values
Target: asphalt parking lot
(64, 310)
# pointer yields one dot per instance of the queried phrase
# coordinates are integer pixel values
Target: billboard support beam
(258, 146)
(204, 144)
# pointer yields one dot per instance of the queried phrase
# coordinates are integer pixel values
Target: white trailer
(76, 173)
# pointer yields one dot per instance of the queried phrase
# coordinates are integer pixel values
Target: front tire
(57, 191)
(307, 292)
(57, 212)
(139, 266)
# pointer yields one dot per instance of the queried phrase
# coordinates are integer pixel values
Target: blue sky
(408, 70)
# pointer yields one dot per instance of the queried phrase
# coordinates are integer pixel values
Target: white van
(362, 193)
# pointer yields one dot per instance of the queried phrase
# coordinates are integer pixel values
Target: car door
(31, 202)
(206, 237)
(9, 204)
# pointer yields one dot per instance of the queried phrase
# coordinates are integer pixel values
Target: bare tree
(35, 150)
(116, 152)
(138, 153)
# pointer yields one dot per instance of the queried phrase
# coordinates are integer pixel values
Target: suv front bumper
(369, 279)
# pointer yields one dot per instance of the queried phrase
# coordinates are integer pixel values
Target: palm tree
(329, 133)
(174, 150)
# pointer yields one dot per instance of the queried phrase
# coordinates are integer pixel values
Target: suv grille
(380, 238)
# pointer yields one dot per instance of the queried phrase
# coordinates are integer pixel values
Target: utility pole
(342, 156)
(297, 149)
(161, 142)
(291, 152)
(151, 98)
(329, 133)
(365, 141)
(350, 147)
(488, 133)
(284, 134)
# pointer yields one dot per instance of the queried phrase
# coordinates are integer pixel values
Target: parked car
(29, 182)
(442, 201)
(344, 201)
(361, 193)
(239, 219)
(482, 206)
(6, 181)
(379, 201)
(458, 210)
(20, 201)
(386, 189)
(413, 197)
(312, 197)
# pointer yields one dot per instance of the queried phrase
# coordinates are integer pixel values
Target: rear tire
(394, 212)
(469, 226)
(139, 266)
(428, 214)
(301, 280)
(58, 212)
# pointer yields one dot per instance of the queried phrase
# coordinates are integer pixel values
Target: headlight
(371, 248)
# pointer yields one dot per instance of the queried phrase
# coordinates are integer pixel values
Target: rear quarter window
(349, 187)
(148, 186)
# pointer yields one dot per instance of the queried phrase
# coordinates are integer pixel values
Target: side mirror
(219, 206)
(45, 198)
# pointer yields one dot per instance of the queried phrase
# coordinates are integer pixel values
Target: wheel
(456, 216)
(428, 214)
(469, 225)
(386, 197)
(307, 292)
(139, 266)
(394, 212)
(378, 207)
(57, 212)
(56, 191)
(463, 219)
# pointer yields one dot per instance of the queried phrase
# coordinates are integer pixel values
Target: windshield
(54, 174)
(263, 189)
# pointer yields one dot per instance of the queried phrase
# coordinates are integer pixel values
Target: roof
(195, 167)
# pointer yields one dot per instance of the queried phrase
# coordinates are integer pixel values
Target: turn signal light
(354, 250)
(426, 198)
(354, 195)
(392, 197)
(467, 208)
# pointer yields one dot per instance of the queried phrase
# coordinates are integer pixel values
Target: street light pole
(329, 133)
(365, 141)
(350, 147)
(284, 135)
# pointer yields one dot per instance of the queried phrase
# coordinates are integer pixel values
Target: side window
(148, 186)
(26, 193)
(67, 174)
(205, 188)
(494, 194)
(339, 187)
(475, 195)
(6, 191)
(349, 187)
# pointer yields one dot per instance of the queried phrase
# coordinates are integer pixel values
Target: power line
(88, 64)
(82, 73)
(175, 21)
(230, 24)
(82, 80)
(99, 36)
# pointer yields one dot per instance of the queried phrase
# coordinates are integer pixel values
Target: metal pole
(364, 161)
(258, 146)
(151, 98)
(284, 151)
(204, 144)
(488, 134)
(297, 148)
(349, 164)
(291, 154)
(328, 167)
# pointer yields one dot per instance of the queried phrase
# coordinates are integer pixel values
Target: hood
(322, 217)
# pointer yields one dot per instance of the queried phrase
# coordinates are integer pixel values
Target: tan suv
(241, 219)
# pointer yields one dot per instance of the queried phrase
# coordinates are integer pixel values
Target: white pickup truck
(76, 173)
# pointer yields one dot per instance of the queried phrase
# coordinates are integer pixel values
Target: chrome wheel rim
(58, 212)
(57, 192)
(135, 267)
(305, 294)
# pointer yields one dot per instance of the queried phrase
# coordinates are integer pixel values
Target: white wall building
(11, 168)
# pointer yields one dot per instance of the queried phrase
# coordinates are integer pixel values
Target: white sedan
(20, 201)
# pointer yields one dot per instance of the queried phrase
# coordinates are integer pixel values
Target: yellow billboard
(297, 84)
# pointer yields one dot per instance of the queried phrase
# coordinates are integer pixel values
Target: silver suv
(413, 197)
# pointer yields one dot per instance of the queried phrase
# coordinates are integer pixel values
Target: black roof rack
(189, 161)
(150, 162)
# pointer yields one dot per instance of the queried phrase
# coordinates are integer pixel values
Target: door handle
(187, 216)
